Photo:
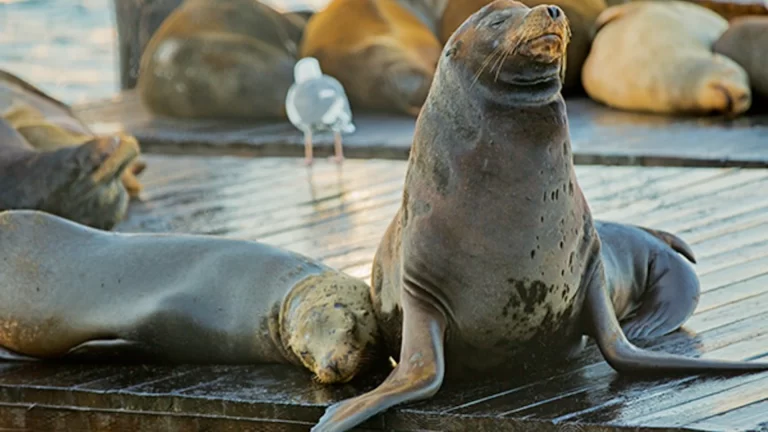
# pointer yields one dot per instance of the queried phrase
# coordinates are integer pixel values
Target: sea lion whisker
(501, 64)
(498, 50)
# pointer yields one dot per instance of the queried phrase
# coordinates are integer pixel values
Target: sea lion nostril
(554, 12)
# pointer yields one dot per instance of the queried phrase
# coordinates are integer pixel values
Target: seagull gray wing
(313, 99)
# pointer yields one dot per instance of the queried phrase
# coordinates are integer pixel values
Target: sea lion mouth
(548, 38)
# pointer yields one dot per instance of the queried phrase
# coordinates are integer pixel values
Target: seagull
(317, 102)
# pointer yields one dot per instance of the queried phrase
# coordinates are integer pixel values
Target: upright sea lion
(746, 43)
(80, 183)
(178, 298)
(494, 258)
(381, 52)
(657, 57)
(49, 124)
(222, 59)
(581, 15)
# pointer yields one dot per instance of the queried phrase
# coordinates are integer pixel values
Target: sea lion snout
(546, 33)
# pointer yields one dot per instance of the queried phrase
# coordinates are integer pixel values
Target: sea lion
(136, 21)
(656, 57)
(177, 298)
(493, 258)
(81, 183)
(581, 15)
(225, 59)
(728, 9)
(381, 52)
(746, 43)
(49, 124)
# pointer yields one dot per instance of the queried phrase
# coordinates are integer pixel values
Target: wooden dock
(600, 135)
(339, 216)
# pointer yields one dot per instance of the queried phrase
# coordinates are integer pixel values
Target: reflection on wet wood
(339, 215)
(600, 136)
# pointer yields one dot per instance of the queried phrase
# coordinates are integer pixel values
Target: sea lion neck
(482, 119)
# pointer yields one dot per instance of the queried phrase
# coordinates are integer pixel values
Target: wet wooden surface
(599, 134)
(339, 216)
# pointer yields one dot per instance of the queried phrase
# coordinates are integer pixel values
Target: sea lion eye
(497, 23)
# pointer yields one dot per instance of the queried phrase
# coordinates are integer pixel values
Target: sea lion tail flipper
(676, 243)
(418, 375)
(625, 357)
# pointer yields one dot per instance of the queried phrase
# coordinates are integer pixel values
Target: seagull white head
(306, 69)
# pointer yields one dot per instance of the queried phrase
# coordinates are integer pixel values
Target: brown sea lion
(381, 52)
(746, 43)
(581, 15)
(494, 259)
(81, 183)
(728, 9)
(224, 59)
(177, 298)
(656, 57)
(49, 124)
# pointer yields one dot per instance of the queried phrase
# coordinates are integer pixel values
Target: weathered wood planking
(339, 215)
(600, 135)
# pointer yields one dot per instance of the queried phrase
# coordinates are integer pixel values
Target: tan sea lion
(746, 43)
(581, 16)
(177, 298)
(656, 57)
(381, 52)
(224, 59)
(494, 259)
(49, 124)
(728, 9)
(81, 183)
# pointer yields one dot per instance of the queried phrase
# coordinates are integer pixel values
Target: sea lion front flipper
(625, 357)
(418, 375)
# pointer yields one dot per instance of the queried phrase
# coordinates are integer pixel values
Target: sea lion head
(335, 331)
(514, 52)
(87, 185)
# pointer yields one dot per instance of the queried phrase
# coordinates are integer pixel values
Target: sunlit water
(68, 47)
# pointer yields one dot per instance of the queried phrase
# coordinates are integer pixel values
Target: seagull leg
(308, 147)
(338, 150)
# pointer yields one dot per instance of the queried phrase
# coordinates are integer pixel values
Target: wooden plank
(339, 214)
(600, 135)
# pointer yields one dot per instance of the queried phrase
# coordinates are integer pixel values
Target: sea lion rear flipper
(669, 299)
(7, 355)
(418, 375)
(676, 243)
(625, 357)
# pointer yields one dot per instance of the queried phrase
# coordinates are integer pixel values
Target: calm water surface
(68, 47)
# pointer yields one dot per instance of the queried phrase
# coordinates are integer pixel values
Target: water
(68, 48)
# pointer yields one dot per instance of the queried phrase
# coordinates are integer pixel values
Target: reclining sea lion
(657, 57)
(379, 50)
(81, 183)
(49, 124)
(225, 59)
(176, 298)
(746, 43)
